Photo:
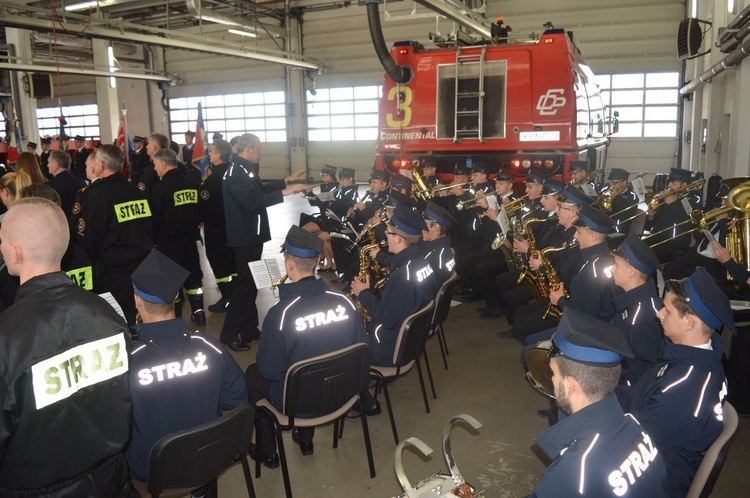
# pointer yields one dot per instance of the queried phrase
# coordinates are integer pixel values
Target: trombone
(586, 178)
(653, 200)
(605, 200)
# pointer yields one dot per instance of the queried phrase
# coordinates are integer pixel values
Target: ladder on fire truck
(469, 97)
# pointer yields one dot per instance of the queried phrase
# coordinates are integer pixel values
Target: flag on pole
(125, 144)
(61, 142)
(200, 149)
(14, 151)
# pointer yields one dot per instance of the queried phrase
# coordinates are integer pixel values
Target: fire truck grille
(460, 109)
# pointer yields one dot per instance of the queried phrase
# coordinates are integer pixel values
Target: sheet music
(588, 190)
(107, 296)
(492, 202)
(264, 272)
(407, 174)
(639, 188)
(503, 220)
(325, 196)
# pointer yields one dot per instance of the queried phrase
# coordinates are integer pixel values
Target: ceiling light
(81, 6)
(243, 33)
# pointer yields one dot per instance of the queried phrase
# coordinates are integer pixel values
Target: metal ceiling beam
(460, 15)
(33, 68)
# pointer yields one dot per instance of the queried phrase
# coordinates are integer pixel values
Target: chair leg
(282, 457)
(429, 375)
(341, 426)
(442, 346)
(421, 384)
(381, 382)
(366, 434)
(248, 479)
(335, 434)
(442, 334)
(257, 444)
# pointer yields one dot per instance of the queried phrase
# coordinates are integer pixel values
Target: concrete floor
(484, 380)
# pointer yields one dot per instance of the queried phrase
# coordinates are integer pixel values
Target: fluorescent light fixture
(111, 63)
(730, 6)
(694, 9)
(243, 33)
(81, 6)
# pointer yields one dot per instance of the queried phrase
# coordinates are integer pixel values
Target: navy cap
(593, 218)
(588, 340)
(438, 213)
(504, 176)
(301, 243)
(46, 141)
(575, 196)
(723, 192)
(705, 298)
(379, 175)
(158, 279)
(347, 172)
(461, 169)
(401, 181)
(532, 177)
(577, 166)
(138, 139)
(480, 168)
(408, 220)
(190, 133)
(683, 175)
(31, 145)
(395, 198)
(217, 136)
(638, 254)
(618, 174)
(552, 186)
(79, 138)
(331, 170)
(429, 163)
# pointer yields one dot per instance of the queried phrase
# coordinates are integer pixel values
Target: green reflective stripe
(193, 292)
(234, 275)
(189, 196)
(83, 277)
(223, 280)
(128, 211)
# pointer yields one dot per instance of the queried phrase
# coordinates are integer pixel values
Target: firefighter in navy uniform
(345, 196)
(625, 204)
(44, 156)
(290, 334)
(208, 379)
(328, 174)
(596, 446)
(671, 214)
(113, 227)
(139, 159)
(174, 207)
(436, 243)
(578, 171)
(79, 157)
(429, 173)
(410, 286)
(64, 363)
(211, 207)
(679, 400)
(637, 305)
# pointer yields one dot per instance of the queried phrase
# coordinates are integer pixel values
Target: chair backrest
(716, 455)
(412, 335)
(322, 384)
(443, 300)
(193, 457)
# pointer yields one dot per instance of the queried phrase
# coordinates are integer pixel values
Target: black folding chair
(192, 458)
(715, 457)
(442, 307)
(409, 349)
(329, 384)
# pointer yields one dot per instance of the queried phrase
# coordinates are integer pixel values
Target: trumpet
(605, 200)
(513, 206)
(463, 186)
(586, 178)
(653, 200)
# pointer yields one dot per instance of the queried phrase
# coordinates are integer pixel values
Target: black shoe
(464, 291)
(219, 306)
(371, 410)
(270, 462)
(238, 346)
(470, 298)
(198, 317)
(492, 313)
(307, 448)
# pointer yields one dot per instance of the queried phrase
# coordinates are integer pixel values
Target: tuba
(738, 239)
(419, 190)
(553, 311)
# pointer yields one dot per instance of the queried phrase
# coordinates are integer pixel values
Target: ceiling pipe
(727, 62)
(208, 16)
(458, 14)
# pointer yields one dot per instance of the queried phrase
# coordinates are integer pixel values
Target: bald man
(63, 370)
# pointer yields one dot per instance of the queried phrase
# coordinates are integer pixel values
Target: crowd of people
(635, 371)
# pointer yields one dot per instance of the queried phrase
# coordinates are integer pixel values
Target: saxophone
(370, 267)
(553, 311)
(534, 280)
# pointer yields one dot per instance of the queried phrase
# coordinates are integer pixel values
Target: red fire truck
(524, 105)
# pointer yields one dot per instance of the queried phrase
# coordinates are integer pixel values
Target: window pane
(366, 92)
(366, 133)
(319, 135)
(214, 113)
(343, 134)
(46, 112)
(179, 130)
(342, 121)
(214, 126)
(343, 93)
(366, 120)
(215, 101)
(234, 112)
(366, 106)
(276, 136)
(90, 109)
(627, 80)
(660, 130)
(627, 97)
(93, 131)
(318, 108)
(605, 98)
(91, 120)
(255, 111)
(630, 130)
(629, 113)
(235, 125)
(253, 98)
(320, 95)
(178, 115)
(661, 113)
(192, 102)
(255, 124)
(274, 97)
(345, 107)
(235, 99)
(276, 123)
(662, 96)
(319, 122)
(75, 121)
(603, 80)
(276, 110)
(663, 80)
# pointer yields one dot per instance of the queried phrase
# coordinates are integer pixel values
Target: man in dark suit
(187, 149)
(139, 159)
(79, 157)
(62, 181)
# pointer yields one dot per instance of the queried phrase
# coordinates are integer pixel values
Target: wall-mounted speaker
(689, 38)
(41, 86)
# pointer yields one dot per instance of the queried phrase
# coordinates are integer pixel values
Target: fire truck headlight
(549, 164)
(538, 163)
(516, 163)
(526, 163)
